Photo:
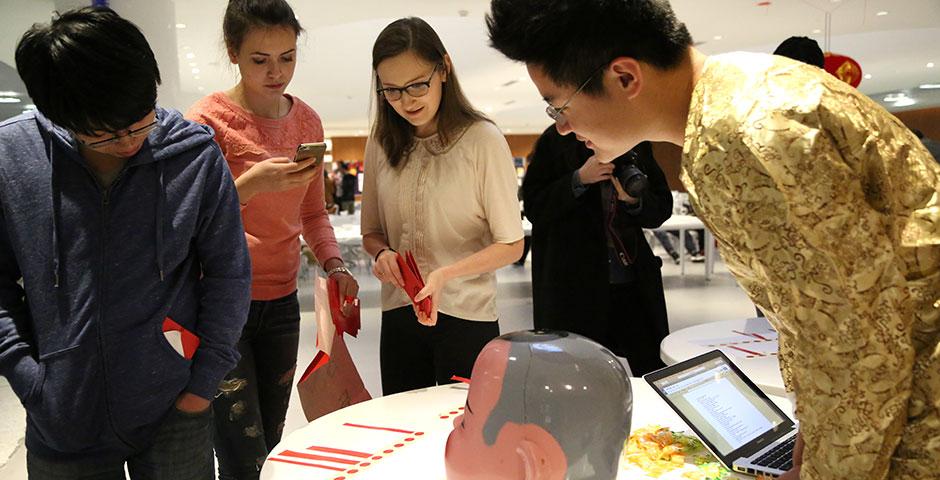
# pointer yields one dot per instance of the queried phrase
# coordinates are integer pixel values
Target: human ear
(629, 76)
(447, 68)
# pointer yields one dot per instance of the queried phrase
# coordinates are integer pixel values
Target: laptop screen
(718, 403)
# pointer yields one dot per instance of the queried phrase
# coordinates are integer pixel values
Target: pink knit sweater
(273, 221)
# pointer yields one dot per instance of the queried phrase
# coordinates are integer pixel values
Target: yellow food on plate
(657, 450)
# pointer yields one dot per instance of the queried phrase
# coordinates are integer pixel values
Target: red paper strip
(460, 379)
(397, 430)
(752, 335)
(341, 452)
(275, 459)
(310, 456)
(746, 351)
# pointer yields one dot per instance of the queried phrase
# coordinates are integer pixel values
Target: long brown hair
(394, 133)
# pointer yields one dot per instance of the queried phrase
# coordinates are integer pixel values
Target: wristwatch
(341, 268)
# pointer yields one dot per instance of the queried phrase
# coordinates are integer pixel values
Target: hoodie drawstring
(56, 206)
(161, 199)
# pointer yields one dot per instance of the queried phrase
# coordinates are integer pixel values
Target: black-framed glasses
(557, 114)
(414, 90)
(136, 133)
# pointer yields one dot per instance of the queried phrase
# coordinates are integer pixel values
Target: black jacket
(570, 281)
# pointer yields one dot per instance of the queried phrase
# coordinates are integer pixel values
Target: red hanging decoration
(844, 68)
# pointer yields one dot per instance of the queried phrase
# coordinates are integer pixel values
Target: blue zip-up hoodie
(81, 339)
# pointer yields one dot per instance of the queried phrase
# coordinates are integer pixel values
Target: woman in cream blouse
(440, 183)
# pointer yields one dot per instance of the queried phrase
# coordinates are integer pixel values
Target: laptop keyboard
(779, 457)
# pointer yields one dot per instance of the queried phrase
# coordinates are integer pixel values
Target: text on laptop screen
(716, 400)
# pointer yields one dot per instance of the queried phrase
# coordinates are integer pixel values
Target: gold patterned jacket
(826, 209)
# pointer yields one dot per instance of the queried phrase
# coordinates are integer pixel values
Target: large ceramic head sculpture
(542, 405)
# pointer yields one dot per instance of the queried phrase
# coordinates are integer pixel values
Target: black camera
(633, 181)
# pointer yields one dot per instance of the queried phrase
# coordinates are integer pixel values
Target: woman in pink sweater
(259, 127)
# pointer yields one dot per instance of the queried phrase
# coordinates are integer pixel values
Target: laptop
(733, 418)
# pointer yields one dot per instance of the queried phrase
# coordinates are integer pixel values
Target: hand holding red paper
(345, 311)
(413, 286)
(430, 293)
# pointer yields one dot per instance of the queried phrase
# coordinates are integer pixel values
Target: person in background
(932, 145)
(259, 128)
(347, 189)
(329, 193)
(803, 49)
(124, 275)
(825, 207)
(588, 244)
(527, 240)
(691, 247)
(440, 183)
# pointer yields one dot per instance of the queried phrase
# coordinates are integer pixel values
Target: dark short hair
(804, 49)
(571, 39)
(89, 70)
(394, 133)
(243, 15)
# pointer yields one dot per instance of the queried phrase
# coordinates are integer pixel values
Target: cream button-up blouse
(445, 203)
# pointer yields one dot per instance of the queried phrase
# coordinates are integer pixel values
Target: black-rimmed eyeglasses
(136, 133)
(414, 90)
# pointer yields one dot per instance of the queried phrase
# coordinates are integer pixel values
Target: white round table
(403, 436)
(751, 344)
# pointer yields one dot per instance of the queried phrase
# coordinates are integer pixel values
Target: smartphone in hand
(310, 150)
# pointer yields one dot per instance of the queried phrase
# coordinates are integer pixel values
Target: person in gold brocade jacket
(825, 207)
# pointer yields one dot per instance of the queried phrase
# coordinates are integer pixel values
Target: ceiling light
(195, 71)
(929, 64)
(200, 88)
(881, 13)
(29, 106)
(181, 25)
(9, 100)
(190, 55)
(488, 109)
(717, 37)
(900, 99)
(905, 102)
(9, 93)
(930, 86)
(817, 31)
(867, 76)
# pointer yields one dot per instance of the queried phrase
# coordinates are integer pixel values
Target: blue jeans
(181, 450)
(252, 401)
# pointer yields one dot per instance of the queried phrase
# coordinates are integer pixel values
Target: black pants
(637, 324)
(181, 450)
(253, 398)
(415, 356)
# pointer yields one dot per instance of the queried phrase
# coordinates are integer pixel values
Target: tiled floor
(690, 300)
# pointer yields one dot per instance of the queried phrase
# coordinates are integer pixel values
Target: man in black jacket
(593, 273)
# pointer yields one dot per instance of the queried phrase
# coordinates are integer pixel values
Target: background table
(751, 344)
(683, 223)
(403, 436)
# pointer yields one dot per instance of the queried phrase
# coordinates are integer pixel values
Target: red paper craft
(350, 324)
(189, 339)
(413, 281)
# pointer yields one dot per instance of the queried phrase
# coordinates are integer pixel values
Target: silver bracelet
(341, 268)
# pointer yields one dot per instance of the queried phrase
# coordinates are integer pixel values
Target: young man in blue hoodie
(124, 273)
